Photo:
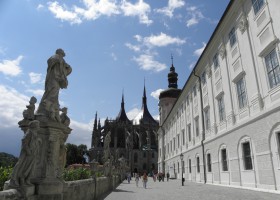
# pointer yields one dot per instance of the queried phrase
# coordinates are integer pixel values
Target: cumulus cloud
(135, 48)
(81, 133)
(36, 92)
(61, 12)
(138, 38)
(156, 93)
(199, 51)
(11, 67)
(93, 9)
(195, 16)
(148, 62)
(40, 6)
(162, 40)
(12, 103)
(35, 77)
(139, 9)
(172, 5)
(133, 113)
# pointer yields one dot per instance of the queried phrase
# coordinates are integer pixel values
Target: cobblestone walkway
(173, 190)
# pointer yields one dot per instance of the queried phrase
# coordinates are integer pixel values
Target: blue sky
(112, 46)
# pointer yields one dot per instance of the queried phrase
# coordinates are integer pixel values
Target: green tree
(75, 154)
(7, 160)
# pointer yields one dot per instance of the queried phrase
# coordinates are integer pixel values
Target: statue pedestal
(50, 189)
(51, 159)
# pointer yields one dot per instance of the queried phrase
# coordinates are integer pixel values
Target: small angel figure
(29, 112)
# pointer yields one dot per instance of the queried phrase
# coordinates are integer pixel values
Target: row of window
(247, 159)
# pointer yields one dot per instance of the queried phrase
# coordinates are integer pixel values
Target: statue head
(60, 52)
(33, 100)
(64, 110)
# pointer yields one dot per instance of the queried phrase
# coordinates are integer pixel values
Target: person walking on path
(167, 176)
(128, 177)
(137, 179)
(145, 180)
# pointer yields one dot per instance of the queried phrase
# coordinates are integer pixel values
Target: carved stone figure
(64, 118)
(107, 142)
(28, 114)
(56, 79)
(29, 151)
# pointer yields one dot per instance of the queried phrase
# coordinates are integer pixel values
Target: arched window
(135, 157)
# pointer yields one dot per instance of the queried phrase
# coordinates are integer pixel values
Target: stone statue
(29, 151)
(64, 118)
(107, 142)
(56, 79)
(28, 114)
(129, 141)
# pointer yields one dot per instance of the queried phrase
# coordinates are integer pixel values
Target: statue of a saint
(29, 150)
(64, 118)
(56, 79)
(107, 142)
(28, 114)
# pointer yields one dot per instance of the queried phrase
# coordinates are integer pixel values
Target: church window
(189, 132)
(241, 93)
(216, 61)
(209, 165)
(232, 37)
(247, 159)
(224, 160)
(273, 69)
(221, 107)
(196, 127)
(257, 5)
(190, 166)
(197, 164)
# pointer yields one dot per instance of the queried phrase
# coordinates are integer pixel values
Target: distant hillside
(7, 159)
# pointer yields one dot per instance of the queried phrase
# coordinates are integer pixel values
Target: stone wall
(76, 190)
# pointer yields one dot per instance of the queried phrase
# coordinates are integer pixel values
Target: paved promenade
(173, 190)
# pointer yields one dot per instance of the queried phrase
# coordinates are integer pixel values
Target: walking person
(167, 176)
(128, 177)
(137, 179)
(145, 180)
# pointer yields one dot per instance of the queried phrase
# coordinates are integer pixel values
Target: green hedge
(76, 174)
(5, 173)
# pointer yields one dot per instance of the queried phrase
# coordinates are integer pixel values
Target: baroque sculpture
(56, 79)
(29, 152)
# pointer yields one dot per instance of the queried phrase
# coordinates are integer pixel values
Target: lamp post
(182, 157)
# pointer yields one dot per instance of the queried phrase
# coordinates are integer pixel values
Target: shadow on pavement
(116, 190)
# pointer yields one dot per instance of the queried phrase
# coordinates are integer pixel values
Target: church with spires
(134, 139)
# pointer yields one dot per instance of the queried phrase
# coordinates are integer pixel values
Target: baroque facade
(225, 123)
(135, 140)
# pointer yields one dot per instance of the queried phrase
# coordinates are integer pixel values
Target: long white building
(226, 120)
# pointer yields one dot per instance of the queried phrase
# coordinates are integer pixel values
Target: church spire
(95, 122)
(122, 115)
(144, 98)
(172, 76)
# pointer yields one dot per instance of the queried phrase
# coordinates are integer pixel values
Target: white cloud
(113, 55)
(40, 6)
(133, 47)
(156, 93)
(191, 65)
(199, 51)
(94, 9)
(36, 92)
(172, 5)
(12, 104)
(35, 77)
(11, 67)
(138, 38)
(162, 40)
(147, 62)
(133, 113)
(81, 133)
(139, 9)
(63, 14)
(196, 16)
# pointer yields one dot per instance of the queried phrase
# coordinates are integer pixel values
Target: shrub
(76, 174)
(5, 173)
